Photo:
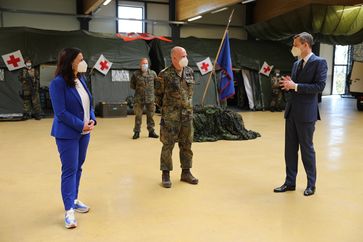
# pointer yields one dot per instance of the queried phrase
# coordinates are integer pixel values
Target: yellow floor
(233, 202)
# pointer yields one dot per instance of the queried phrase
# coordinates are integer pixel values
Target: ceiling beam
(190, 8)
(90, 6)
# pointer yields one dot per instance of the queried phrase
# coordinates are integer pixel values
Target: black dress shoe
(309, 191)
(284, 188)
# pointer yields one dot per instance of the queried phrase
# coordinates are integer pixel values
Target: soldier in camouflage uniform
(174, 92)
(142, 82)
(277, 94)
(29, 79)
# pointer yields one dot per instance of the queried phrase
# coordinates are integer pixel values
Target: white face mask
(144, 67)
(28, 65)
(82, 67)
(296, 52)
(183, 62)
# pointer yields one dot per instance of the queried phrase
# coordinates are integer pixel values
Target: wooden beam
(91, 5)
(190, 8)
(267, 9)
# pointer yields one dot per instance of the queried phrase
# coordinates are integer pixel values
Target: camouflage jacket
(143, 86)
(174, 94)
(275, 84)
(29, 81)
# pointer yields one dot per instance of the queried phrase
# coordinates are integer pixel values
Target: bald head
(177, 53)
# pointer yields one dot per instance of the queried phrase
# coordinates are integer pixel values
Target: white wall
(158, 12)
(327, 52)
(40, 21)
(154, 11)
(216, 32)
(104, 25)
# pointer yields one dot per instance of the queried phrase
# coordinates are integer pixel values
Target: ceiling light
(349, 8)
(106, 2)
(247, 1)
(194, 18)
(219, 10)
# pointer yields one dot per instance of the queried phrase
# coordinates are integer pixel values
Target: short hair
(144, 58)
(305, 38)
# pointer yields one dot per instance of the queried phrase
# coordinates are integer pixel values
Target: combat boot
(136, 135)
(152, 134)
(187, 176)
(26, 116)
(165, 179)
(37, 117)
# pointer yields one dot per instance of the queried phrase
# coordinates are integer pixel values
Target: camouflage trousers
(31, 104)
(150, 110)
(170, 133)
(277, 101)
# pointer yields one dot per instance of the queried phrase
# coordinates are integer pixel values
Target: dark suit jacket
(303, 104)
(68, 110)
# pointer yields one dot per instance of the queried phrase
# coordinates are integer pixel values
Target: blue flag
(226, 85)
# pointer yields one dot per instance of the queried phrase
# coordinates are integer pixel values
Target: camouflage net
(214, 123)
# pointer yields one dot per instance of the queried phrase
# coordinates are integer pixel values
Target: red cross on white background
(13, 61)
(205, 66)
(104, 65)
(266, 69)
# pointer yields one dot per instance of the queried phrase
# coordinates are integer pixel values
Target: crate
(112, 109)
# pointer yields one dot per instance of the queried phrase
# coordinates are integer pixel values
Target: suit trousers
(299, 135)
(72, 154)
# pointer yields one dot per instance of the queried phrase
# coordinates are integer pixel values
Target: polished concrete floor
(233, 202)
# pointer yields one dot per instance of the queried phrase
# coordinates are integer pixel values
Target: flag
(266, 69)
(145, 36)
(14, 60)
(226, 85)
(103, 65)
(205, 66)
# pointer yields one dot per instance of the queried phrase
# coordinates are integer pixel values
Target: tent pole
(216, 89)
(215, 60)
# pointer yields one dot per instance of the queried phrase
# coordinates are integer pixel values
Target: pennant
(266, 69)
(226, 85)
(103, 65)
(14, 60)
(145, 36)
(205, 66)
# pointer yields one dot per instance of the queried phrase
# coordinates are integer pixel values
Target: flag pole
(215, 60)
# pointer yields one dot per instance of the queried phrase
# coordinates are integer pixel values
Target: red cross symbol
(13, 61)
(104, 65)
(266, 69)
(205, 66)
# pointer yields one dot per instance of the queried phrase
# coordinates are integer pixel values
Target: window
(130, 10)
(342, 60)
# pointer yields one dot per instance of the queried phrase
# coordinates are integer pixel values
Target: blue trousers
(299, 135)
(72, 154)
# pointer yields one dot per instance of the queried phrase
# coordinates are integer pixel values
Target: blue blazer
(303, 104)
(68, 109)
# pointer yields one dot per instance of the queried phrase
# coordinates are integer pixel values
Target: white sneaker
(80, 207)
(69, 220)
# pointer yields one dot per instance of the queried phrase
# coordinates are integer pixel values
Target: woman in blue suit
(74, 119)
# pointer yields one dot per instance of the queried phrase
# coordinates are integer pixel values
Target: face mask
(144, 67)
(296, 52)
(183, 62)
(28, 65)
(82, 67)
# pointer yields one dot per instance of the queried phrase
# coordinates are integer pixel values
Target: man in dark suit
(307, 79)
